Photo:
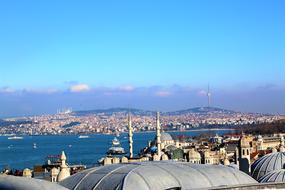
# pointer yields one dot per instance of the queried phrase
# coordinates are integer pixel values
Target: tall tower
(245, 151)
(209, 96)
(130, 135)
(158, 135)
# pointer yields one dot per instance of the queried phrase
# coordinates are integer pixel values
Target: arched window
(243, 152)
(247, 152)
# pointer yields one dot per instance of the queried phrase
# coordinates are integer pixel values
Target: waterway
(20, 154)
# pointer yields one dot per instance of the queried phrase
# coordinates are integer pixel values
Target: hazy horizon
(156, 55)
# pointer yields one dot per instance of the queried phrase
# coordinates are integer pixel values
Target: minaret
(64, 170)
(130, 135)
(158, 141)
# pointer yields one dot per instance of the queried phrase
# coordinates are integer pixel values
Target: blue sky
(154, 54)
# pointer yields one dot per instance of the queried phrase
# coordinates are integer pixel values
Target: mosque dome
(166, 137)
(170, 148)
(157, 175)
(22, 183)
(274, 176)
(268, 163)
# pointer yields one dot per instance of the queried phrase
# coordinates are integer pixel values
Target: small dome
(274, 176)
(157, 175)
(166, 137)
(268, 163)
(170, 148)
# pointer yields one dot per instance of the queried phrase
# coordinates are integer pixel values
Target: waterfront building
(194, 156)
(212, 157)
(53, 174)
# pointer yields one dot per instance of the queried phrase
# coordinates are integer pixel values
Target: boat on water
(35, 145)
(83, 137)
(115, 142)
(116, 148)
(15, 138)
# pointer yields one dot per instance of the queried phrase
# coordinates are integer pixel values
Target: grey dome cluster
(274, 176)
(267, 164)
(157, 175)
(166, 137)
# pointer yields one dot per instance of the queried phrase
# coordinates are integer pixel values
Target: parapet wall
(253, 186)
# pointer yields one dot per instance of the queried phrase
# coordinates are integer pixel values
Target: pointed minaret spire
(64, 169)
(158, 141)
(130, 135)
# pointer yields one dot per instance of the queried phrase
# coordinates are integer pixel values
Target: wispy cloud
(79, 88)
(7, 90)
(126, 88)
(202, 93)
(163, 93)
(41, 91)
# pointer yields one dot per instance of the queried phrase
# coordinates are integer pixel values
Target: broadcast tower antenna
(209, 96)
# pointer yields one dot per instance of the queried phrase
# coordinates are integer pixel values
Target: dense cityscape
(114, 121)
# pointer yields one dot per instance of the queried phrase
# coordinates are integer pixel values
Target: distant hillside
(265, 128)
(18, 122)
(201, 110)
(114, 110)
(197, 110)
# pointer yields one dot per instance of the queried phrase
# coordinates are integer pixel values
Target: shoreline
(172, 131)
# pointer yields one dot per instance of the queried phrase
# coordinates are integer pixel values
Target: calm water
(84, 151)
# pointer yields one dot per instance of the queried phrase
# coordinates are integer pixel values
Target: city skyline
(150, 55)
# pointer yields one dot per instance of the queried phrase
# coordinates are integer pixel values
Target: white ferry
(83, 137)
(15, 138)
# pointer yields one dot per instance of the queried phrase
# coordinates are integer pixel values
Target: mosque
(167, 164)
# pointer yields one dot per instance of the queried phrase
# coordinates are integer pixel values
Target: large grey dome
(157, 175)
(22, 183)
(267, 163)
(274, 176)
(166, 137)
